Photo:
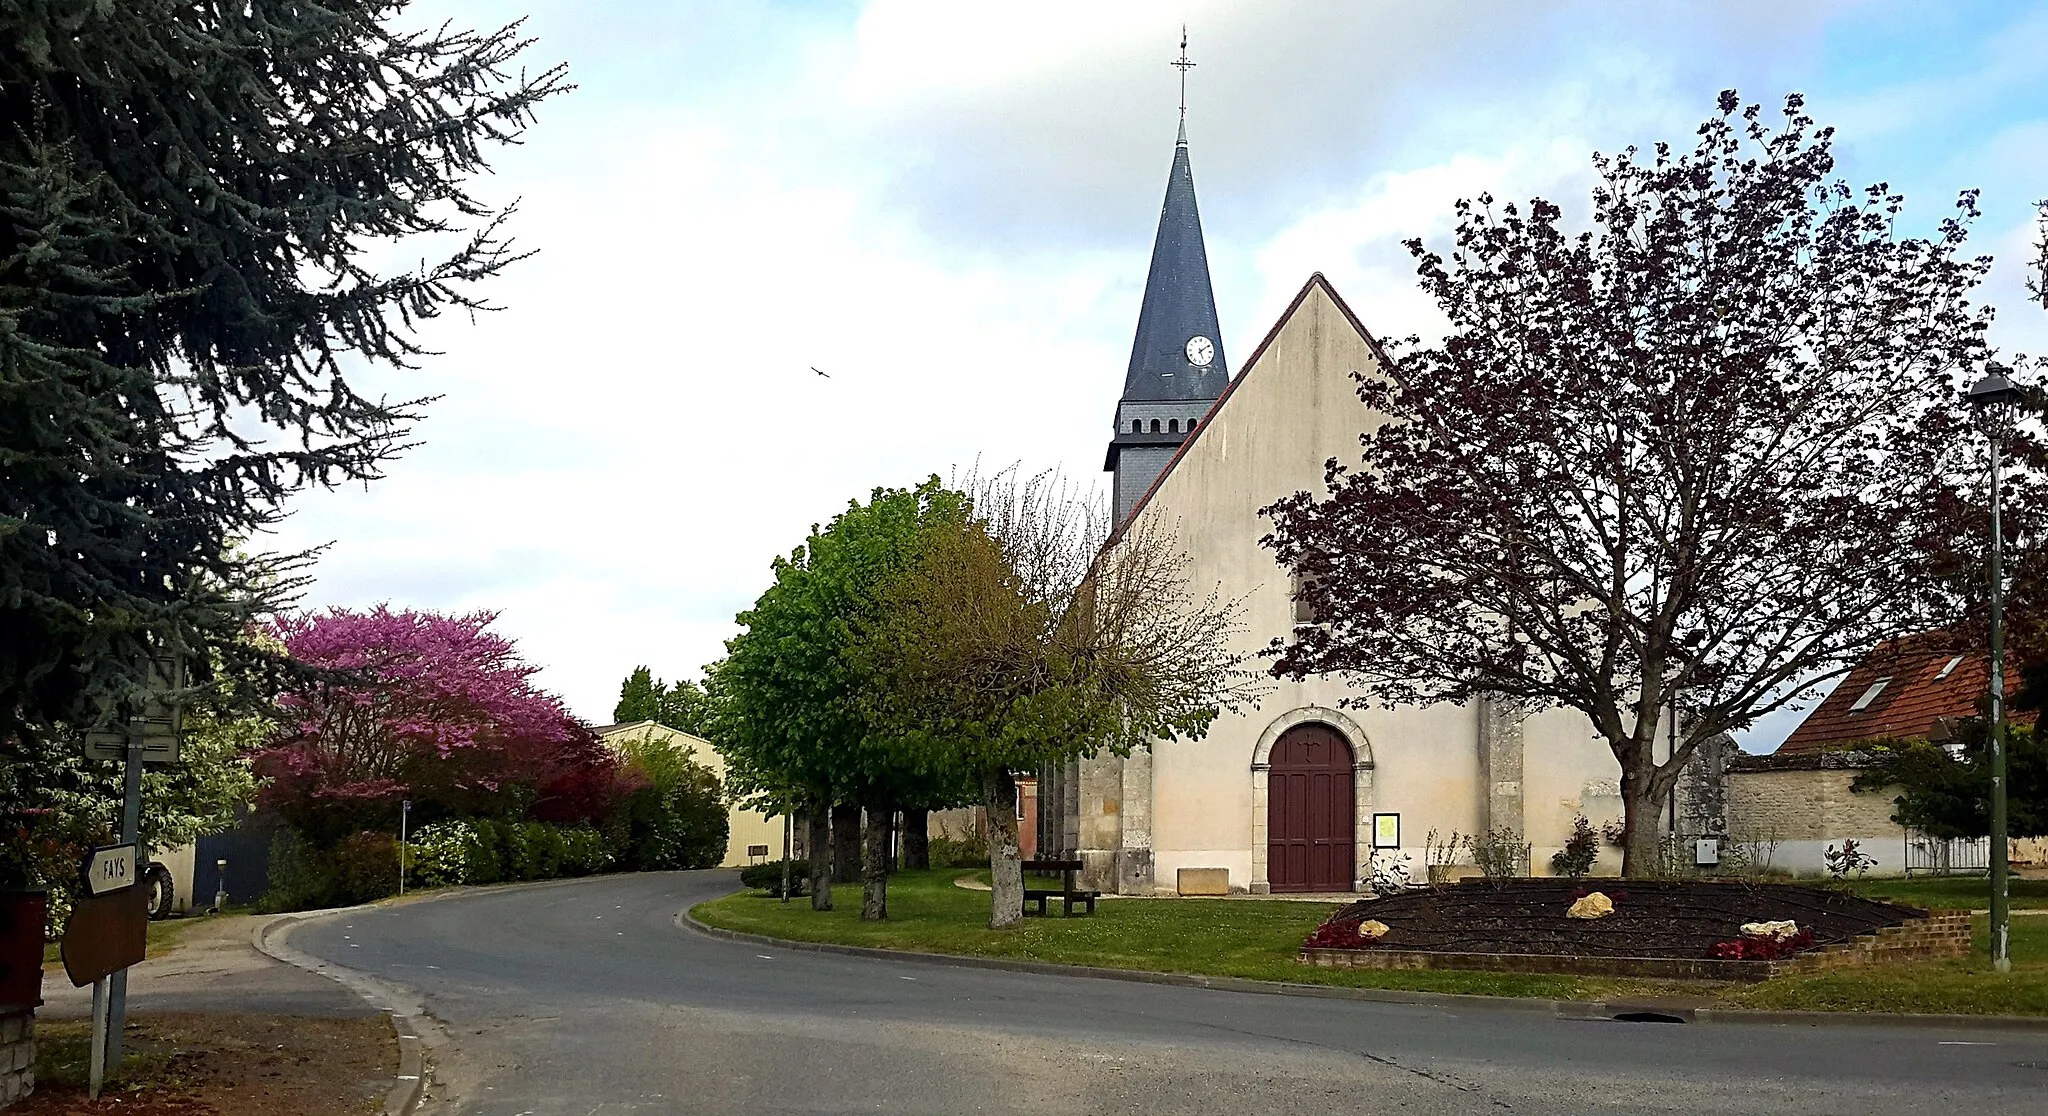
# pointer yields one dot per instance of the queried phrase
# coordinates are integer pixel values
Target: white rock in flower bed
(1776, 929)
(1593, 905)
(1373, 928)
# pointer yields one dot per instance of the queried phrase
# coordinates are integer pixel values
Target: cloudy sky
(948, 206)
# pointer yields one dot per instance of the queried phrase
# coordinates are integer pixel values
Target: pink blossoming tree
(429, 707)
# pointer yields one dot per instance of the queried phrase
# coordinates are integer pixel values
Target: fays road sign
(110, 869)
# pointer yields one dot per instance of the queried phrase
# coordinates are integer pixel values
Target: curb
(1575, 1010)
(410, 1083)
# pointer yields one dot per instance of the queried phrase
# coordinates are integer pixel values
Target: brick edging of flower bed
(1942, 933)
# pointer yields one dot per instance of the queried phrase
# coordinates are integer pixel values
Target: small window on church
(1173, 426)
(1155, 426)
(1304, 612)
(1191, 426)
(1137, 426)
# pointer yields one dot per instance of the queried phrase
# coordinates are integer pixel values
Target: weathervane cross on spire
(1183, 65)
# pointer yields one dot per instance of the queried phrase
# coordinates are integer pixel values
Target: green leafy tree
(1016, 641)
(57, 803)
(191, 196)
(678, 816)
(795, 724)
(1947, 793)
(681, 705)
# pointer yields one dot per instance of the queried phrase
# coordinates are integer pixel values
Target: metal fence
(1939, 856)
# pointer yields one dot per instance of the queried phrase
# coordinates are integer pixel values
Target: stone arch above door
(1362, 792)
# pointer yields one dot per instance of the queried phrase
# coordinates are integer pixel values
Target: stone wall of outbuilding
(1794, 808)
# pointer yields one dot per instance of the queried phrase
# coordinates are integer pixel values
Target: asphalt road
(585, 998)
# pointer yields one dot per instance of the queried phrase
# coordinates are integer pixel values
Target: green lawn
(1965, 986)
(1257, 939)
(1971, 892)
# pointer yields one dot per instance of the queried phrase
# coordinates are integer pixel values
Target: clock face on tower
(1201, 351)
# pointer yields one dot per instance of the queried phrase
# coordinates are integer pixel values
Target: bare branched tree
(1018, 640)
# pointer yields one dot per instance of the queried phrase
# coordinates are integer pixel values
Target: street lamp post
(1995, 398)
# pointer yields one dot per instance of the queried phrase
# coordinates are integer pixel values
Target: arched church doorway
(1311, 823)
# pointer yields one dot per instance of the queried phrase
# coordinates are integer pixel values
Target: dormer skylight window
(1870, 695)
(1948, 668)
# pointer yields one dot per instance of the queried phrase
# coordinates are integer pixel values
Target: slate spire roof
(1179, 304)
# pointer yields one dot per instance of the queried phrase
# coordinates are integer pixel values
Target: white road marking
(1959, 1042)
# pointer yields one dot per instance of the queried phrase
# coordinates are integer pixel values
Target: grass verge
(1257, 940)
(162, 938)
(1970, 892)
(1963, 986)
(1249, 938)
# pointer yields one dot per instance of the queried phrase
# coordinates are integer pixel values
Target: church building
(1295, 794)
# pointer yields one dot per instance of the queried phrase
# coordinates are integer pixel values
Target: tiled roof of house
(1913, 688)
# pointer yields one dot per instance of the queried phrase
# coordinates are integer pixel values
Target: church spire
(1177, 365)
(1177, 320)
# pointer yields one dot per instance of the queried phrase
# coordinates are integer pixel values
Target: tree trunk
(874, 902)
(846, 844)
(820, 848)
(1005, 868)
(917, 840)
(1640, 845)
(788, 839)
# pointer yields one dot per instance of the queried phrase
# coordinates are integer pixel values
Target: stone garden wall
(17, 1056)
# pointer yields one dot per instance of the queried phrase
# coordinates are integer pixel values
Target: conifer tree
(189, 199)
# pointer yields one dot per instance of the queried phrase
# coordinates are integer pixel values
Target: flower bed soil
(1660, 919)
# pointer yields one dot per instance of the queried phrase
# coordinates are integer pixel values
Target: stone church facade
(1283, 796)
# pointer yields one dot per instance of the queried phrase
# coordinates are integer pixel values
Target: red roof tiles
(1928, 683)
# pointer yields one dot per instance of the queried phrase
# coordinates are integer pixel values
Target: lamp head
(1994, 397)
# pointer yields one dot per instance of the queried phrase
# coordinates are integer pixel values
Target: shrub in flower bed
(1764, 947)
(1333, 934)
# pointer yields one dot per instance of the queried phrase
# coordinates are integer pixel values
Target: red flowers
(1763, 948)
(1336, 934)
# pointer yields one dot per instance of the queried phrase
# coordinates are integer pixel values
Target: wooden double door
(1311, 814)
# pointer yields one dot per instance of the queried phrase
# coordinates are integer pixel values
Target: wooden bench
(1067, 893)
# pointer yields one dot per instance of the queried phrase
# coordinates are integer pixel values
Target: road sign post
(153, 737)
(404, 816)
(107, 932)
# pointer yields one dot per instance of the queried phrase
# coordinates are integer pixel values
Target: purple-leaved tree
(1702, 456)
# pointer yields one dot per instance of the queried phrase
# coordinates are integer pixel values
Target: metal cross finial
(1183, 65)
